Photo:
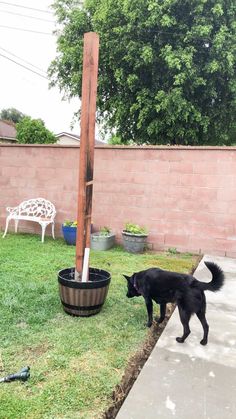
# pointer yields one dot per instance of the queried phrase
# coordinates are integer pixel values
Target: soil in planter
(135, 365)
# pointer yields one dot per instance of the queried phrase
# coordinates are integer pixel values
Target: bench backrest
(38, 207)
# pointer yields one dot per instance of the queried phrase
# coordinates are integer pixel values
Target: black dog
(164, 287)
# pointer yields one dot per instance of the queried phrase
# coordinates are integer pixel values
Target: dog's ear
(126, 277)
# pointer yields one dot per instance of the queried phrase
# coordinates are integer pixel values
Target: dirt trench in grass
(135, 365)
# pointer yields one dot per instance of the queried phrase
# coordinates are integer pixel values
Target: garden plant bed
(77, 363)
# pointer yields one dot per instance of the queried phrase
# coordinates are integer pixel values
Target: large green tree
(11, 114)
(33, 131)
(167, 68)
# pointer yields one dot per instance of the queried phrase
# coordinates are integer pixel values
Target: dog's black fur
(164, 287)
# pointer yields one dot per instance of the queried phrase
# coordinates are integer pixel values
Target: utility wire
(27, 62)
(25, 7)
(30, 17)
(25, 30)
(21, 65)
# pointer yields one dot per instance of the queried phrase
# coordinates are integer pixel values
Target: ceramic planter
(101, 242)
(83, 298)
(69, 234)
(134, 243)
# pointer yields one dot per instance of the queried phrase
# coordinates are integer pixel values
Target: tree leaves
(167, 69)
(33, 131)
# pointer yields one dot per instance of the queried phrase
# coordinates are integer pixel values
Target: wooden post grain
(87, 138)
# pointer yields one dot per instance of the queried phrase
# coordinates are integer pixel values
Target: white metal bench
(39, 210)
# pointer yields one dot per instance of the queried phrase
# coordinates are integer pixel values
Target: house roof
(76, 137)
(7, 129)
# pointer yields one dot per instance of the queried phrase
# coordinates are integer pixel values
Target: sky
(23, 89)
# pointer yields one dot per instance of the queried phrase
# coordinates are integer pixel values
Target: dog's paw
(148, 324)
(159, 319)
(203, 342)
(180, 340)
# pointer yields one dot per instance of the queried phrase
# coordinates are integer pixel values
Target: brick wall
(185, 196)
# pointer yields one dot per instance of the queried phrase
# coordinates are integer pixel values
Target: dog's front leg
(149, 306)
(162, 314)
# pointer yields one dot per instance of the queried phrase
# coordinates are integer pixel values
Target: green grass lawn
(75, 362)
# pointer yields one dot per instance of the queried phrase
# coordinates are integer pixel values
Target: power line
(25, 7)
(21, 65)
(25, 30)
(30, 17)
(27, 62)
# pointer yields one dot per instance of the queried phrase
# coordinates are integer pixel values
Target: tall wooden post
(87, 138)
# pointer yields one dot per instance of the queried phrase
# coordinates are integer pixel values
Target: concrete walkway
(191, 381)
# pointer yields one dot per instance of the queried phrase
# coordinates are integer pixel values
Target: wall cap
(124, 147)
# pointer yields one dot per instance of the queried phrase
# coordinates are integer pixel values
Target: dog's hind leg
(202, 318)
(149, 306)
(184, 317)
(162, 314)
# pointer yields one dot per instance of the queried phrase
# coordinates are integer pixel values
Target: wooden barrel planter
(83, 298)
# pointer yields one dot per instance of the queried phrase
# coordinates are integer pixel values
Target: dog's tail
(217, 281)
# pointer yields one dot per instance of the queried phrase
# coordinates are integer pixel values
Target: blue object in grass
(69, 233)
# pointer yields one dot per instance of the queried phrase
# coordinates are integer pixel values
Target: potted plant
(104, 239)
(134, 238)
(69, 230)
(83, 298)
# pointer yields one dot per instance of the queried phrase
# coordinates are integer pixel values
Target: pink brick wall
(185, 196)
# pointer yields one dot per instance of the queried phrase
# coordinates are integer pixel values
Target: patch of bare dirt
(135, 365)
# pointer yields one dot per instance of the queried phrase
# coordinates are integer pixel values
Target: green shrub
(105, 231)
(68, 223)
(135, 229)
